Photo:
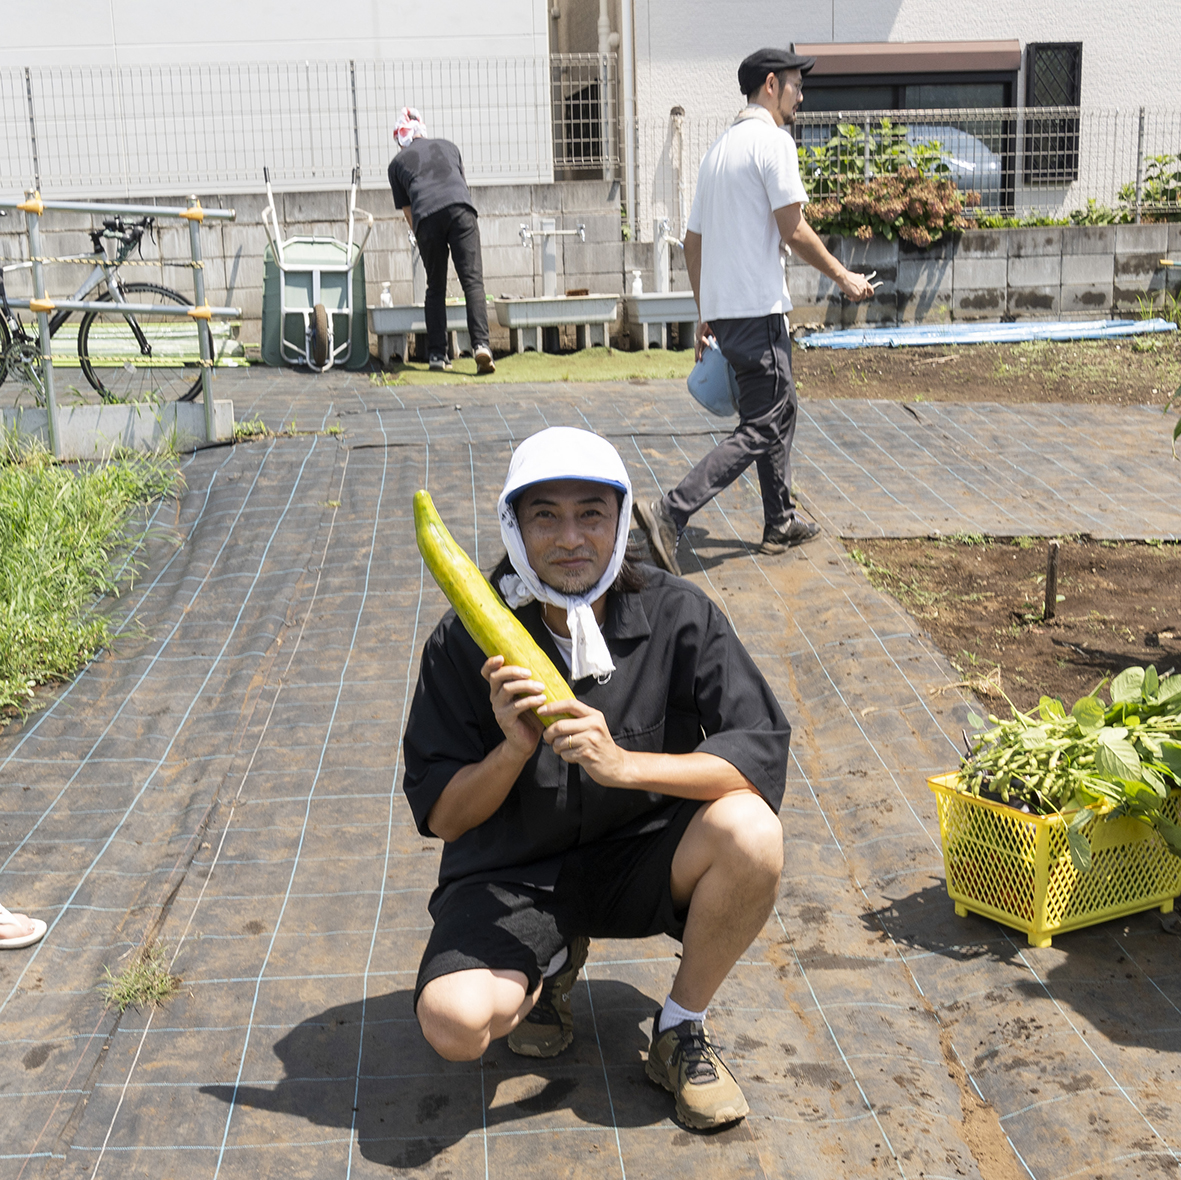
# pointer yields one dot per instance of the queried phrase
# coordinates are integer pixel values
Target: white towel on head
(410, 127)
(563, 452)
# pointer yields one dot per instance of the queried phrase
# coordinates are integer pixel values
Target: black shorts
(608, 889)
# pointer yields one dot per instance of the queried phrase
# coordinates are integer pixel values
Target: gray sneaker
(439, 364)
(657, 522)
(796, 533)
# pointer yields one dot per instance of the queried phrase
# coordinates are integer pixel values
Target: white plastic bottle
(637, 283)
(387, 300)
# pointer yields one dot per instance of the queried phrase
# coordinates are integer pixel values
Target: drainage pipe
(627, 54)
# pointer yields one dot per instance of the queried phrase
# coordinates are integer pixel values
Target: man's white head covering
(562, 452)
(410, 127)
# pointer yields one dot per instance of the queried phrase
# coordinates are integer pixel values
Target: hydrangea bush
(860, 185)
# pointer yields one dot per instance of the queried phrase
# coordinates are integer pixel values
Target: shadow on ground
(1104, 974)
(409, 1105)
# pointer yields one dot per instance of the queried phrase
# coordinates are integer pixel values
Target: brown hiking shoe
(682, 1060)
(797, 532)
(549, 1027)
(657, 522)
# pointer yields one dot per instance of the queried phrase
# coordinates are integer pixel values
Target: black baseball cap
(755, 68)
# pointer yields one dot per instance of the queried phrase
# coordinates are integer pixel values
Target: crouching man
(650, 809)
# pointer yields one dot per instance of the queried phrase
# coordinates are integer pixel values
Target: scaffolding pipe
(203, 336)
(106, 208)
(33, 225)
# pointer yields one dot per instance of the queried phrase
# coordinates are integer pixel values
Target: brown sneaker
(657, 522)
(796, 533)
(484, 361)
(682, 1060)
(549, 1027)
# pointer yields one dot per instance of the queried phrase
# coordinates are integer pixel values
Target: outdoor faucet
(665, 232)
(662, 238)
(548, 232)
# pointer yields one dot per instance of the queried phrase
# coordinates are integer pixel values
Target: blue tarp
(905, 335)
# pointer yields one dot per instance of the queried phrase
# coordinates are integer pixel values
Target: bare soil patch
(982, 602)
(1138, 370)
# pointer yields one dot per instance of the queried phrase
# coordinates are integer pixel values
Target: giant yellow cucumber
(496, 630)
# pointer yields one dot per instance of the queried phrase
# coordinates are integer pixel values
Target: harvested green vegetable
(1118, 760)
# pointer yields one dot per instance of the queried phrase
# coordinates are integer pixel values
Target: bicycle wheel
(20, 357)
(5, 341)
(166, 366)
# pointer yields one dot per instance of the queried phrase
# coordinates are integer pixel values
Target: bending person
(749, 203)
(430, 188)
(651, 809)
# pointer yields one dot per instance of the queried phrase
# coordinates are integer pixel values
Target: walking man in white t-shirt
(749, 203)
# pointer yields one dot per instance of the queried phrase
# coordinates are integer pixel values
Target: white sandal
(15, 944)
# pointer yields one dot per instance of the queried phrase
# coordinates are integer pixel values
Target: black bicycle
(126, 357)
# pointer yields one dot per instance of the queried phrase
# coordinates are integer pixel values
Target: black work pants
(760, 352)
(453, 231)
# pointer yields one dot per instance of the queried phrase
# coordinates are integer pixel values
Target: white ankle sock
(672, 1013)
(556, 963)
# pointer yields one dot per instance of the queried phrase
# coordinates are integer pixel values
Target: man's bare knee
(462, 1013)
(746, 831)
(453, 1032)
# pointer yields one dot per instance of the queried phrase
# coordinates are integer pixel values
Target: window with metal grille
(1053, 82)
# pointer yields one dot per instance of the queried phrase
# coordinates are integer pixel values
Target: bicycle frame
(105, 270)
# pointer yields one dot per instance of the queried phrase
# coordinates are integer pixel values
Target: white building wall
(687, 54)
(131, 98)
(687, 51)
(137, 32)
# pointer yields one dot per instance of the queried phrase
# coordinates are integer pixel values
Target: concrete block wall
(233, 251)
(1039, 273)
(1050, 272)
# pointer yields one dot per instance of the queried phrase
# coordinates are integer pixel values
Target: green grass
(64, 543)
(250, 428)
(591, 364)
(145, 982)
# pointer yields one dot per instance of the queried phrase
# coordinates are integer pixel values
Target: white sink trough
(649, 315)
(525, 319)
(394, 325)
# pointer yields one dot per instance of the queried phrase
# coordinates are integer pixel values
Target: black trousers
(760, 352)
(453, 231)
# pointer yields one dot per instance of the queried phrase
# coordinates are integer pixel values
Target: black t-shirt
(428, 176)
(682, 682)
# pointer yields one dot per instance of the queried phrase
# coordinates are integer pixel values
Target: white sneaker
(484, 361)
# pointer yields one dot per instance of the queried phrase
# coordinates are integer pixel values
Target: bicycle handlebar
(115, 228)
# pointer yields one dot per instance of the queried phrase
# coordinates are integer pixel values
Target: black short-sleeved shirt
(682, 682)
(428, 176)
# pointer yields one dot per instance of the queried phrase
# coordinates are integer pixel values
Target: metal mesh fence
(101, 131)
(104, 131)
(1044, 161)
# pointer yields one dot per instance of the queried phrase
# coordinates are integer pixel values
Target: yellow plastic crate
(1016, 868)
